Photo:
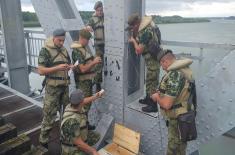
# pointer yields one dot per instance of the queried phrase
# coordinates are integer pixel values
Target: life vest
(154, 45)
(57, 57)
(180, 105)
(71, 113)
(98, 29)
(88, 57)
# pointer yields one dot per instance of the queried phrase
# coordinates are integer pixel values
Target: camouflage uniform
(73, 126)
(153, 68)
(97, 24)
(172, 85)
(56, 91)
(83, 56)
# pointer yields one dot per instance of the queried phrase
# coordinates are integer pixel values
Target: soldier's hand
(89, 28)
(97, 60)
(100, 93)
(63, 67)
(95, 153)
(131, 39)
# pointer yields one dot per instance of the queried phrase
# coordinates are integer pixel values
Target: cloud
(186, 8)
(191, 8)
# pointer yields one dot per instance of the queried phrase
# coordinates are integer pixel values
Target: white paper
(75, 64)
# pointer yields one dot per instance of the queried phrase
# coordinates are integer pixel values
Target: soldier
(96, 25)
(173, 97)
(143, 33)
(76, 139)
(85, 72)
(54, 63)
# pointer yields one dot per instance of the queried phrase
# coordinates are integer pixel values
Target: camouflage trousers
(92, 139)
(152, 74)
(175, 145)
(55, 97)
(86, 87)
(99, 52)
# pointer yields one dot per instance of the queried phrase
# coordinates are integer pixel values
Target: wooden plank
(126, 138)
(114, 149)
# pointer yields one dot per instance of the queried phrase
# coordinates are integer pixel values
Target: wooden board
(114, 149)
(126, 138)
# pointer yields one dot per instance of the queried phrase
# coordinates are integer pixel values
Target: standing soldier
(76, 139)
(84, 73)
(54, 63)
(173, 97)
(96, 25)
(143, 34)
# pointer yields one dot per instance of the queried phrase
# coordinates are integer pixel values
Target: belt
(58, 78)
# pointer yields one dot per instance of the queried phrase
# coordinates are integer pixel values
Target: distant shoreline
(30, 19)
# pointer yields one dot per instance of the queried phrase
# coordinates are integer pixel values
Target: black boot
(144, 100)
(98, 87)
(151, 107)
(90, 127)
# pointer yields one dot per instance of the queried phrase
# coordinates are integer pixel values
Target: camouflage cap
(59, 32)
(76, 97)
(162, 53)
(98, 4)
(85, 34)
(133, 19)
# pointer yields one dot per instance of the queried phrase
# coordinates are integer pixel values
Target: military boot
(90, 127)
(144, 100)
(151, 107)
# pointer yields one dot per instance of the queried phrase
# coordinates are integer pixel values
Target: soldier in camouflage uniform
(85, 72)
(54, 63)
(173, 97)
(75, 137)
(143, 33)
(96, 25)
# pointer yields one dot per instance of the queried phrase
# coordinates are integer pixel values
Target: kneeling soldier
(76, 139)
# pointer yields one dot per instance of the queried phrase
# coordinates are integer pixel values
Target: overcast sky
(186, 8)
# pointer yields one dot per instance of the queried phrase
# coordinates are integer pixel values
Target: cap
(98, 4)
(85, 34)
(133, 19)
(76, 97)
(59, 32)
(162, 53)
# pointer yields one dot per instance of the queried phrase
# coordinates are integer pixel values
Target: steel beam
(15, 51)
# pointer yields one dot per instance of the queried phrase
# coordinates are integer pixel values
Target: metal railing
(34, 41)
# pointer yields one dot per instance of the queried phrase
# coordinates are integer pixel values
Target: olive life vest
(88, 57)
(71, 113)
(154, 45)
(98, 29)
(180, 105)
(57, 57)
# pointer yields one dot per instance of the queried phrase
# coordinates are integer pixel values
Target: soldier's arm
(175, 84)
(139, 48)
(43, 63)
(87, 67)
(84, 146)
(90, 25)
(48, 70)
(83, 67)
(144, 39)
(90, 99)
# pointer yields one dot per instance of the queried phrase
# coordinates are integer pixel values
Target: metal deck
(26, 114)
